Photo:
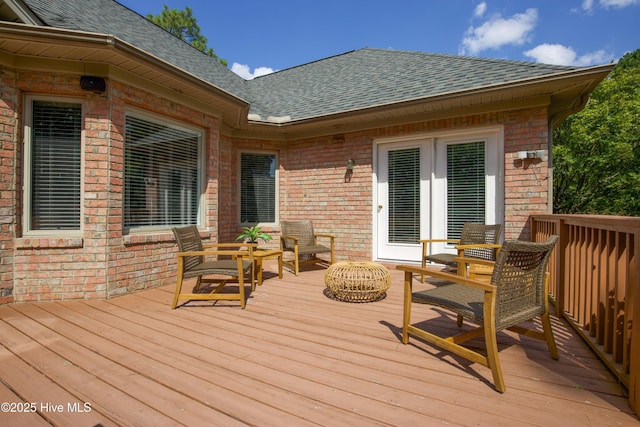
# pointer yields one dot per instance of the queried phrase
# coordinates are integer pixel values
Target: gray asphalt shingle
(354, 80)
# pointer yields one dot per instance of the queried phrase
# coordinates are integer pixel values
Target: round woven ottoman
(357, 281)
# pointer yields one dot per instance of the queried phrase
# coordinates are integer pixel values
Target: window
(465, 186)
(258, 172)
(404, 195)
(53, 150)
(162, 185)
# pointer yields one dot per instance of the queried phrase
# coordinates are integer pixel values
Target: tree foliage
(182, 24)
(596, 152)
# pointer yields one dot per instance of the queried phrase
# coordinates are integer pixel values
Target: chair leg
(176, 295)
(406, 318)
(491, 342)
(548, 335)
(241, 290)
(296, 261)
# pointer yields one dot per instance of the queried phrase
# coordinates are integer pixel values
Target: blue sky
(257, 37)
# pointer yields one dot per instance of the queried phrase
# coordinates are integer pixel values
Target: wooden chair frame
(480, 241)
(488, 297)
(233, 260)
(299, 240)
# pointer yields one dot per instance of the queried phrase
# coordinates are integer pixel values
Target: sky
(260, 37)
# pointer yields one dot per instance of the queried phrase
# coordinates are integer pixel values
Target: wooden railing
(595, 281)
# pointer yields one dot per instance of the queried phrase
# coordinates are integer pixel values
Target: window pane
(258, 188)
(55, 166)
(465, 186)
(404, 196)
(161, 175)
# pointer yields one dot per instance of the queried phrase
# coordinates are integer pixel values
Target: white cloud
(499, 31)
(618, 3)
(562, 55)
(480, 10)
(245, 72)
(588, 5)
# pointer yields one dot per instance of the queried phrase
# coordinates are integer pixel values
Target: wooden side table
(262, 254)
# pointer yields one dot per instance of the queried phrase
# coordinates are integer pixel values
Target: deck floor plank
(292, 357)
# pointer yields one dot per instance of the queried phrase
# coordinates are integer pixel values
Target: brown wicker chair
(476, 241)
(234, 260)
(299, 239)
(518, 292)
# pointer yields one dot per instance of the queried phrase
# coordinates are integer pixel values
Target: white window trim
(26, 164)
(201, 168)
(277, 187)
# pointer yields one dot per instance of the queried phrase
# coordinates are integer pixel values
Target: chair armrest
(230, 245)
(475, 268)
(286, 237)
(432, 272)
(479, 246)
(479, 261)
(329, 236)
(324, 235)
(214, 252)
(439, 241)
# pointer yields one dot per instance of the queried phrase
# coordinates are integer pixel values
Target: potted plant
(253, 234)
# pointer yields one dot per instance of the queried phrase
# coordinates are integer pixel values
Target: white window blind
(257, 188)
(465, 186)
(161, 175)
(404, 195)
(55, 166)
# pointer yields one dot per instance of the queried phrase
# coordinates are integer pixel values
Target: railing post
(561, 266)
(634, 357)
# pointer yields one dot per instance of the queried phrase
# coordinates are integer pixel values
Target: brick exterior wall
(106, 261)
(314, 185)
(9, 105)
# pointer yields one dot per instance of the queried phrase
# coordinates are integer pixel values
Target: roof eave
(567, 93)
(21, 35)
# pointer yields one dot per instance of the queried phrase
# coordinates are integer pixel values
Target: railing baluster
(595, 282)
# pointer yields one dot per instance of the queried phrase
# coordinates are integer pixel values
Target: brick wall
(314, 185)
(105, 260)
(9, 155)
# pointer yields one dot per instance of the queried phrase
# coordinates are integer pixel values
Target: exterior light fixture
(350, 164)
(533, 154)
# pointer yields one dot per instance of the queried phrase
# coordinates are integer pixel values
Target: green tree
(596, 152)
(182, 24)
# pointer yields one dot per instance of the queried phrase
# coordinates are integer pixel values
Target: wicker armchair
(476, 241)
(518, 292)
(234, 260)
(299, 239)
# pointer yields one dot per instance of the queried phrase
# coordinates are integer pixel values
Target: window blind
(404, 196)
(257, 188)
(55, 166)
(161, 175)
(465, 186)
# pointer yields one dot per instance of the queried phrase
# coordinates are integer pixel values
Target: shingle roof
(355, 80)
(110, 17)
(372, 77)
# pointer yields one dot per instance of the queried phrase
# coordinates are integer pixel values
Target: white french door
(426, 188)
(403, 199)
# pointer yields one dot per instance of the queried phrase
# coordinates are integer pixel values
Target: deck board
(292, 357)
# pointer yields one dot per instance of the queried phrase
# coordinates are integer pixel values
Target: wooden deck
(293, 357)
